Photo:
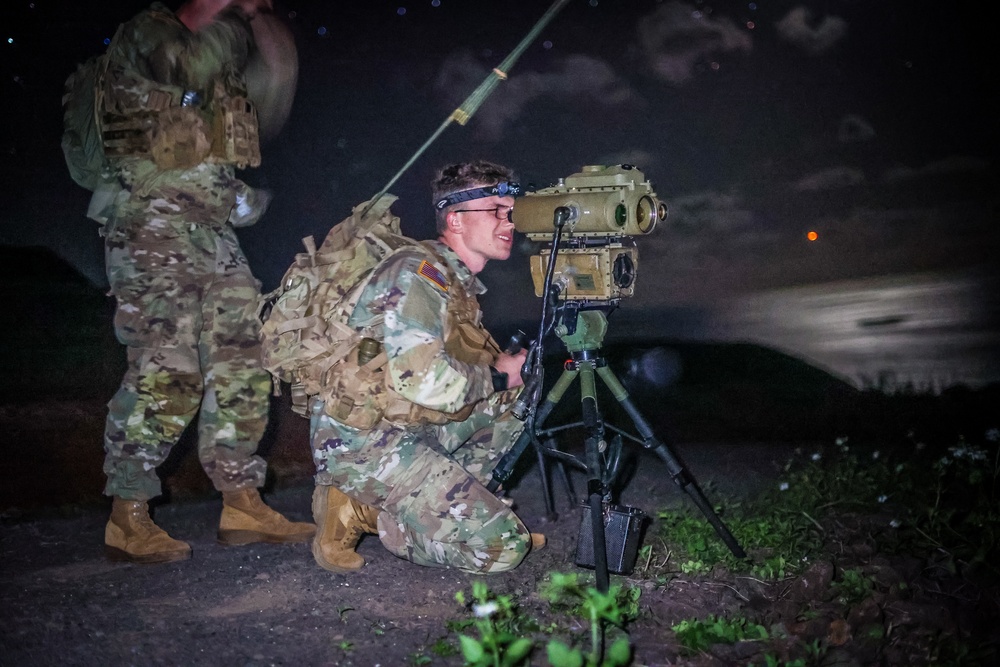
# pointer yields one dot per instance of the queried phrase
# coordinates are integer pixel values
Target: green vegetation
(853, 587)
(939, 507)
(499, 627)
(697, 635)
(613, 609)
(507, 638)
(945, 503)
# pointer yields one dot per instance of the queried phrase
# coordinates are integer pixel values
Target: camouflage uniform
(186, 298)
(427, 478)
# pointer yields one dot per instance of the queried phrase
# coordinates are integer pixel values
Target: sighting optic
(587, 220)
(596, 214)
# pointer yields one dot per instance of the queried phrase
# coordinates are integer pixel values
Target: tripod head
(581, 330)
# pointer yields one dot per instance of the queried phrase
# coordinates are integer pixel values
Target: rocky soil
(64, 604)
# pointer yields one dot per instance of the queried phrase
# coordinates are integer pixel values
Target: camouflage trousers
(429, 482)
(186, 311)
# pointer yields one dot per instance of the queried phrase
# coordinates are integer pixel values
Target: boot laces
(143, 522)
(354, 533)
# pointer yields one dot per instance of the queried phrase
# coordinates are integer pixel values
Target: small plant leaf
(472, 650)
(620, 652)
(560, 655)
(517, 651)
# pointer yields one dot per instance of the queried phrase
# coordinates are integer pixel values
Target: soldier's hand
(251, 203)
(511, 365)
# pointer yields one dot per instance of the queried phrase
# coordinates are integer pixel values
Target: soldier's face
(488, 233)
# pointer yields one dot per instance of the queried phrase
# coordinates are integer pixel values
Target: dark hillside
(60, 363)
(57, 342)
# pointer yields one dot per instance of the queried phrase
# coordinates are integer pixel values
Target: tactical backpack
(305, 333)
(306, 341)
(81, 140)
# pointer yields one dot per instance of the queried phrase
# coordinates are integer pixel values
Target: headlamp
(503, 189)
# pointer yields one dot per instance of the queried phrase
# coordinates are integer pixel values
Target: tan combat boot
(246, 519)
(132, 536)
(340, 523)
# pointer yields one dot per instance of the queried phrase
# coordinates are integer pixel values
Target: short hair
(464, 176)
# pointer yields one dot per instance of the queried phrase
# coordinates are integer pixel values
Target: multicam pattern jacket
(153, 62)
(439, 354)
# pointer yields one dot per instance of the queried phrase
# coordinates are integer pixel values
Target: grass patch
(941, 502)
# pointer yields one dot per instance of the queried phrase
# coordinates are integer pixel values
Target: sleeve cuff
(499, 380)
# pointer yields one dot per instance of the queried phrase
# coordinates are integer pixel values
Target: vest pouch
(127, 136)
(179, 139)
(472, 344)
(400, 411)
(128, 108)
(235, 131)
(355, 395)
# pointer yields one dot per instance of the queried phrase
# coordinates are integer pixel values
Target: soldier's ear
(454, 222)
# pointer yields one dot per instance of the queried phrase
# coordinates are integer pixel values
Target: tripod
(582, 333)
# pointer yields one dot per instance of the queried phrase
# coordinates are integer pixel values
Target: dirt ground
(64, 604)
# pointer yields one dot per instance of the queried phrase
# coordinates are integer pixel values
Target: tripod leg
(596, 502)
(543, 470)
(505, 466)
(677, 471)
(596, 489)
(690, 487)
(567, 484)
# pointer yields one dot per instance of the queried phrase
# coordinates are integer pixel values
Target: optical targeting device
(602, 208)
(595, 214)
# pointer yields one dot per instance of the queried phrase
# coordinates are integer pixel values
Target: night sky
(871, 123)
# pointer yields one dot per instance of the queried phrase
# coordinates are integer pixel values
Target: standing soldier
(176, 122)
(417, 477)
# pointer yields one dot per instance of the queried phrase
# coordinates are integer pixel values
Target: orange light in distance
(812, 236)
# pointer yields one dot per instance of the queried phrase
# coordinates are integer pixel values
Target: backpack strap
(99, 76)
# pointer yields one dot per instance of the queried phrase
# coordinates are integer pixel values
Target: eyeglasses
(501, 212)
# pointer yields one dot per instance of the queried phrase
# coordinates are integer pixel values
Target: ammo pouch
(355, 394)
(154, 125)
(401, 411)
(235, 130)
(472, 344)
(358, 396)
(127, 119)
(179, 138)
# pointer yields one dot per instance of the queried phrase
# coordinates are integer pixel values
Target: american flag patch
(429, 271)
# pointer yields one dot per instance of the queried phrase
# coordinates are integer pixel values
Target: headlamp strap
(503, 189)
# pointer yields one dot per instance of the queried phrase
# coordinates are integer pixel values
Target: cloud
(854, 129)
(709, 245)
(712, 211)
(676, 37)
(795, 28)
(955, 164)
(576, 78)
(830, 179)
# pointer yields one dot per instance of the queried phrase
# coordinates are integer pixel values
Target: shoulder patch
(433, 275)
